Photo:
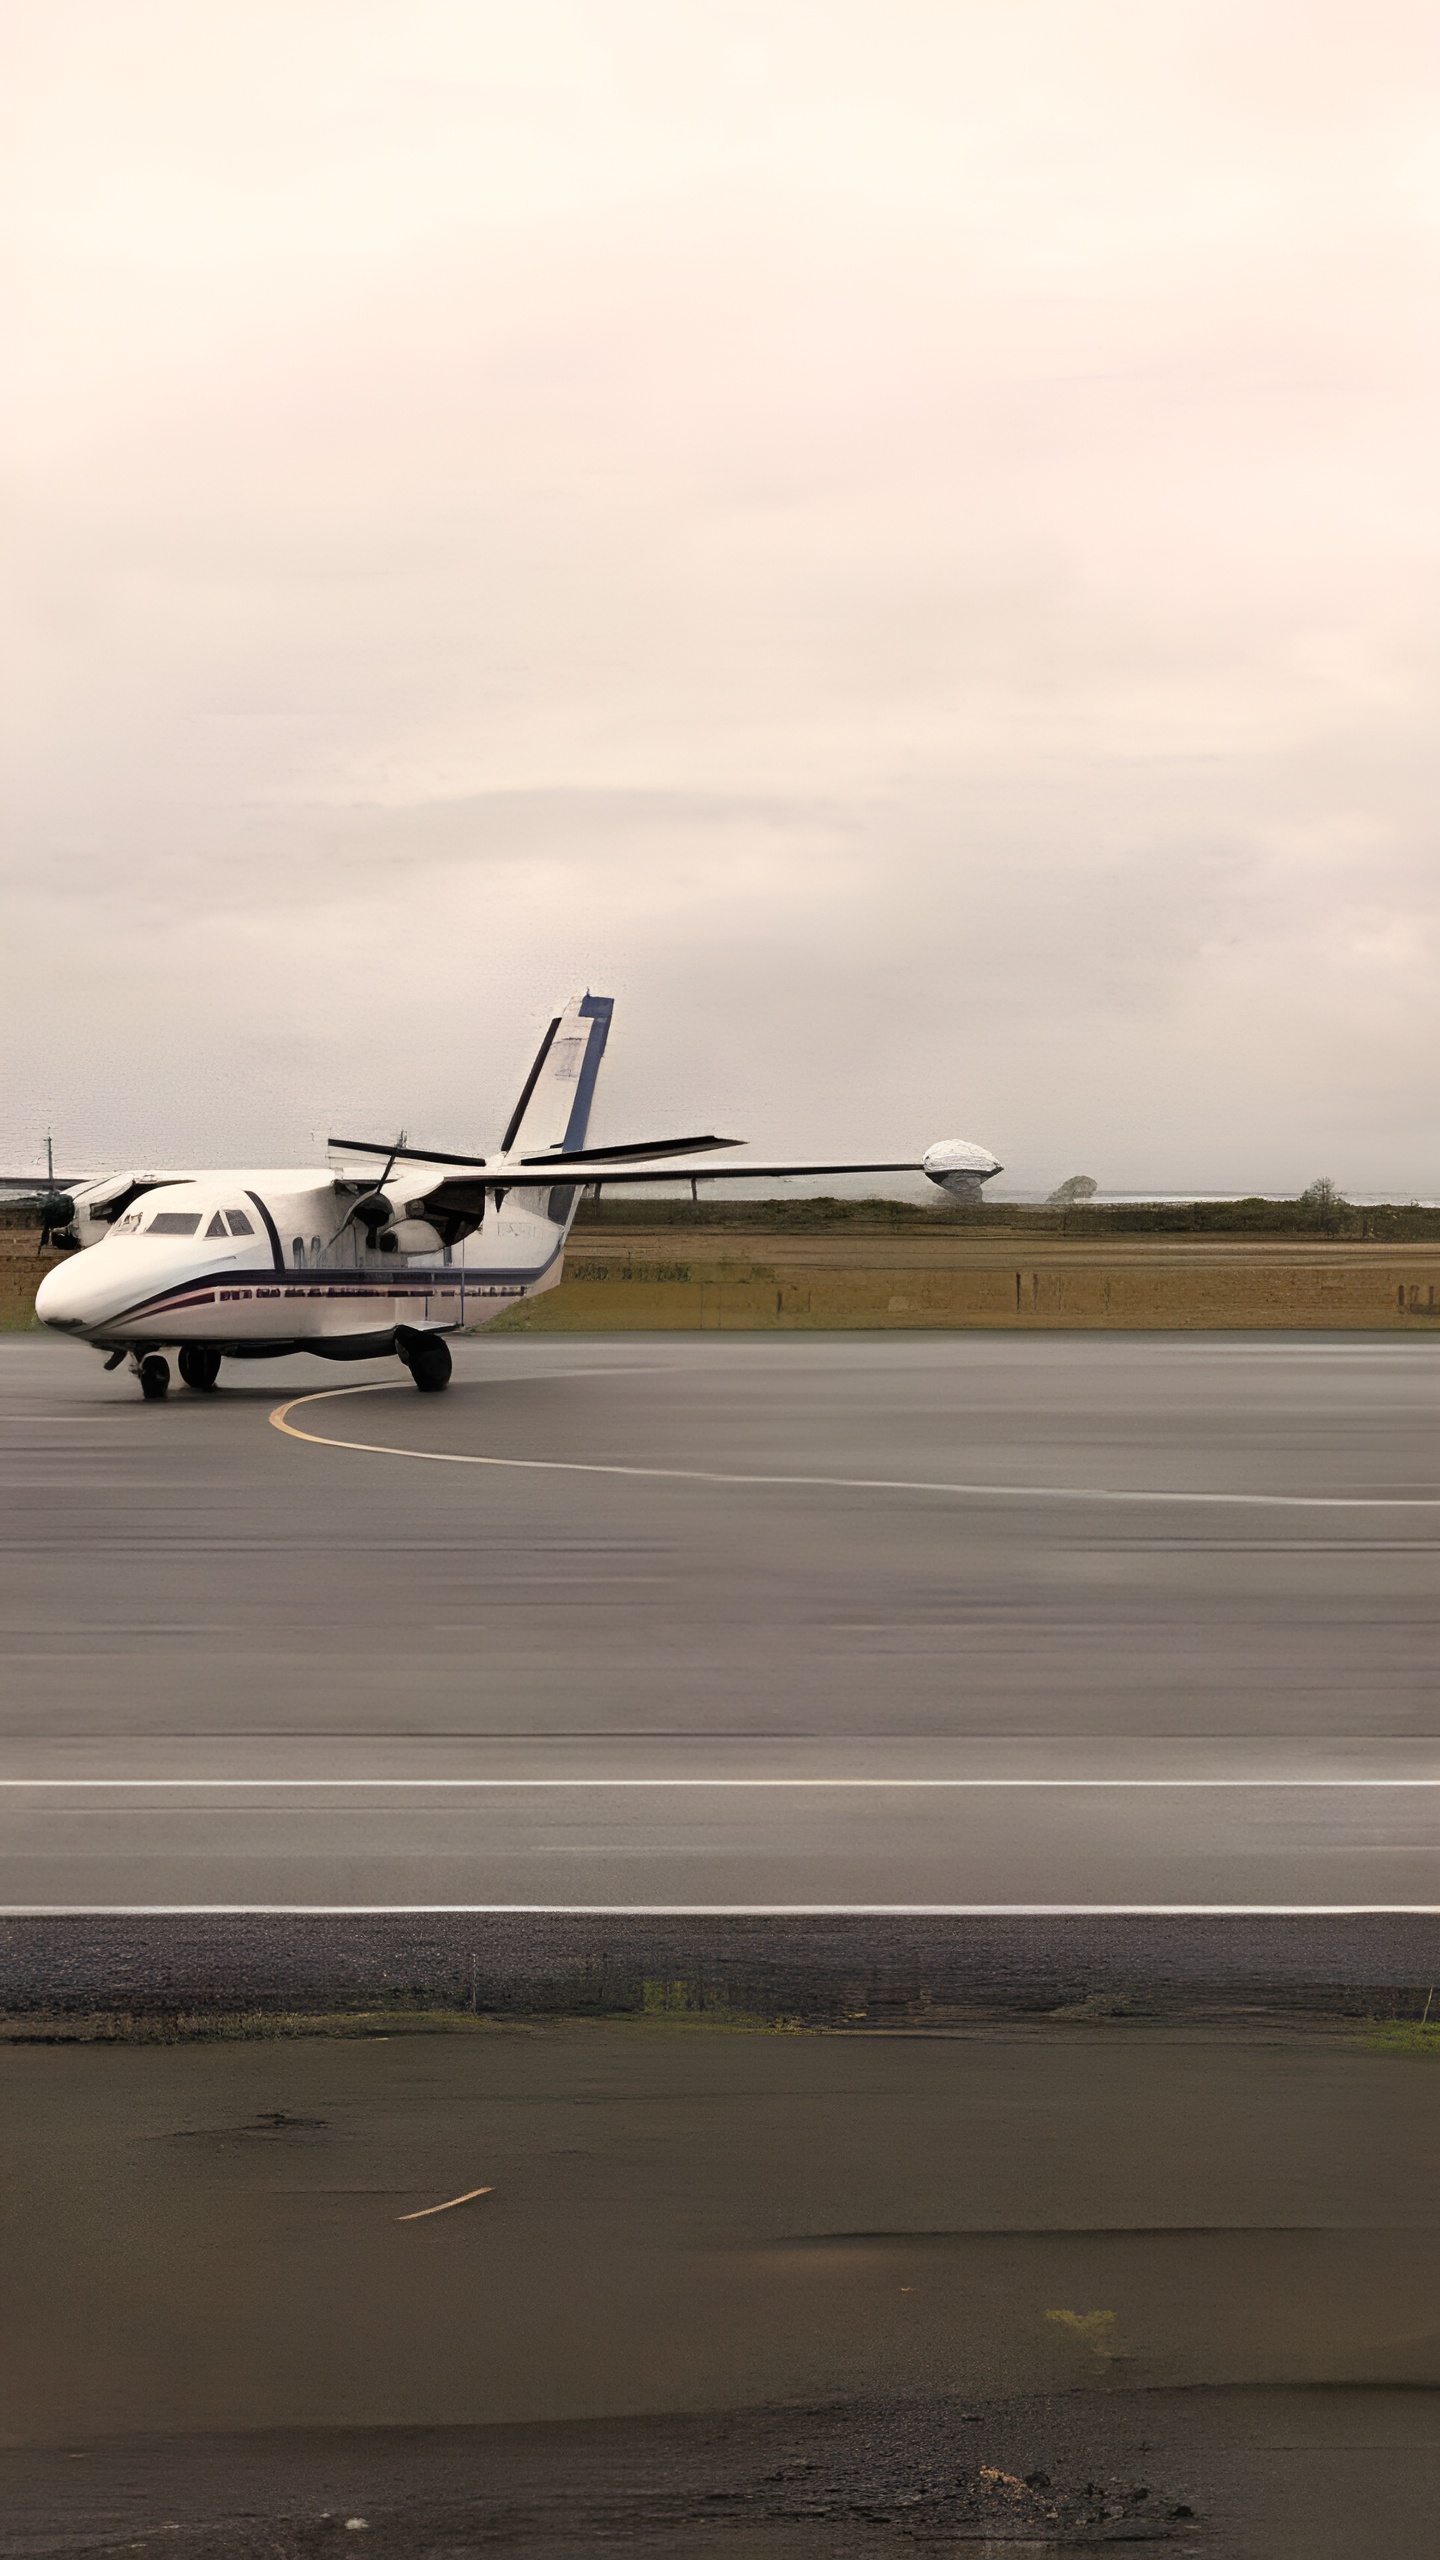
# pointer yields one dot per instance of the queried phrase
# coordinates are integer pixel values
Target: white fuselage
(178, 1267)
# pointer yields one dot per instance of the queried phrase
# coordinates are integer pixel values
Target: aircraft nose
(61, 1296)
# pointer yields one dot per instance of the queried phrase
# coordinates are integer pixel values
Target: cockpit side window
(239, 1223)
(216, 1226)
(174, 1222)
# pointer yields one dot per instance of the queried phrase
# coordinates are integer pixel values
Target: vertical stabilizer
(554, 1108)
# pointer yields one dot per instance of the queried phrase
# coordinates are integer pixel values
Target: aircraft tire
(154, 1377)
(429, 1365)
(200, 1367)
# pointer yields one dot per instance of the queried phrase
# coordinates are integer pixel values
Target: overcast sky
(897, 537)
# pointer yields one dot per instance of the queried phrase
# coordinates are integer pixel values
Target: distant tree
(1323, 1203)
(1078, 1187)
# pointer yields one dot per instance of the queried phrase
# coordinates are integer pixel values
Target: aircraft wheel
(199, 1367)
(154, 1377)
(429, 1365)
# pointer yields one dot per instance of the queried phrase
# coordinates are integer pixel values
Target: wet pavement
(826, 1623)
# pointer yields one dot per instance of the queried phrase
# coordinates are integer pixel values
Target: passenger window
(174, 1222)
(239, 1223)
(216, 1226)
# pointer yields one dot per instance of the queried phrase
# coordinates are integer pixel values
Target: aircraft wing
(584, 1169)
(465, 1193)
(423, 1184)
(460, 1183)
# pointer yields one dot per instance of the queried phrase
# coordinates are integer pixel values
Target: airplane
(254, 1263)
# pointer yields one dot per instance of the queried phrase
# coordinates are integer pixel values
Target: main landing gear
(427, 1357)
(199, 1367)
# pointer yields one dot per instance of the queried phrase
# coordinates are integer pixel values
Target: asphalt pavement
(929, 1623)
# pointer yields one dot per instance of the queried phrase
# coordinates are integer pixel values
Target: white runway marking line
(280, 1786)
(836, 1484)
(722, 1910)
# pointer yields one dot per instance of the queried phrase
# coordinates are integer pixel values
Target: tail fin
(554, 1108)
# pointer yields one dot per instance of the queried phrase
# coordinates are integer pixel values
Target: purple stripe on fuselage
(297, 1284)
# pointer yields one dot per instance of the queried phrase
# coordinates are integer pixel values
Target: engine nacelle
(960, 1167)
(412, 1236)
(394, 1224)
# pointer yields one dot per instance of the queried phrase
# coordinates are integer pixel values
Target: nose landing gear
(199, 1367)
(427, 1357)
(154, 1376)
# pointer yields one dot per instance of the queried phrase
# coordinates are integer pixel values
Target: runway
(823, 1624)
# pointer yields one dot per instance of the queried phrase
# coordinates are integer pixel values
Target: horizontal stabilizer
(398, 1155)
(557, 1162)
(645, 1147)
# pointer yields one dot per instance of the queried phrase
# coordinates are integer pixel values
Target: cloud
(900, 540)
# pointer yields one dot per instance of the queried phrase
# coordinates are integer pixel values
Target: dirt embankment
(835, 2293)
(23, 1266)
(946, 1277)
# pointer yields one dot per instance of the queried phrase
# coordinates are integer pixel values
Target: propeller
(57, 1214)
(374, 1210)
(54, 1206)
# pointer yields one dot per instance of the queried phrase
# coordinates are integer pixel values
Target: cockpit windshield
(174, 1222)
